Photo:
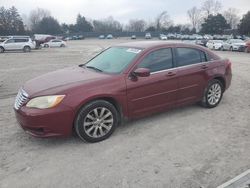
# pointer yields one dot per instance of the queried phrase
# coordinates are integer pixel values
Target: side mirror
(142, 72)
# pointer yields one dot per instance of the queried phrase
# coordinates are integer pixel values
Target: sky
(123, 10)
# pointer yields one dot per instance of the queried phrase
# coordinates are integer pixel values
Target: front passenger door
(10, 44)
(156, 92)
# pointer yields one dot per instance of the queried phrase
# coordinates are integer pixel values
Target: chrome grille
(21, 98)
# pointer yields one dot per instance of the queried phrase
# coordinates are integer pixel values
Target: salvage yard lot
(189, 147)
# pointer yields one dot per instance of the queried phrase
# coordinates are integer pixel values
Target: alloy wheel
(214, 94)
(98, 122)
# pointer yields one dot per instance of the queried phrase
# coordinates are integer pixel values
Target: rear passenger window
(158, 60)
(188, 56)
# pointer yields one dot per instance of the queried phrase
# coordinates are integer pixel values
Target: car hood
(58, 82)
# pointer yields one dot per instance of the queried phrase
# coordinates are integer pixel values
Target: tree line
(207, 19)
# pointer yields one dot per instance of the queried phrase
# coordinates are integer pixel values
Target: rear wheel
(26, 49)
(96, 121)
(62, 45)
(46, 45)
(231, 49)
(212, 94)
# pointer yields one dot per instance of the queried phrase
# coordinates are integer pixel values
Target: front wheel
(212, 94)
(96, 121)
(1, 50)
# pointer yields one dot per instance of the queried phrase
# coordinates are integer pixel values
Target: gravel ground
(189, 147)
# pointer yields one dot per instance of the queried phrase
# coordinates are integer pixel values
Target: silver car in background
(214, 44)
(17, 43)
(234, 45)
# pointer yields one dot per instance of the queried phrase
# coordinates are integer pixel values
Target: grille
(21, 98)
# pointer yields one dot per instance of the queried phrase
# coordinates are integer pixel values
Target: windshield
(113, 60)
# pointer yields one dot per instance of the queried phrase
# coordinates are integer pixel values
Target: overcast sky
(122, 10)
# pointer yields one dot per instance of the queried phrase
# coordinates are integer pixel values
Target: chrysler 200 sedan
(125, 81)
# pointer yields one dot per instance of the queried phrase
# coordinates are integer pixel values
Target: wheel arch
(222, 80)
(109, 99)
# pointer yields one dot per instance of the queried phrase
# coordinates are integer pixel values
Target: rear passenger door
(19, 43)
(192, 78)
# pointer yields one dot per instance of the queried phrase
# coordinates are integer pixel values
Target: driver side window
(158, 60)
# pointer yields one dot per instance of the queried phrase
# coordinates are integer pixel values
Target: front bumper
(239, 48)
(54, 122)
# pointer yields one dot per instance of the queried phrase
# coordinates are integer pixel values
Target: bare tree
(136, 25)
(211, 7)
(107, 25)
(163, 20)
(232, 17)
(36, 16)
(195, 16)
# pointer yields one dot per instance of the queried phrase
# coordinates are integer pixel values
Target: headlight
(45, 101)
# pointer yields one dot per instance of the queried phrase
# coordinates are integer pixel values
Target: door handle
(204, 66)
(171, 74)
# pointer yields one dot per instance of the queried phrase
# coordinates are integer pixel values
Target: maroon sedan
(125, 81)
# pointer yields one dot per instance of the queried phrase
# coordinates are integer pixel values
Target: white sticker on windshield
(133, 50)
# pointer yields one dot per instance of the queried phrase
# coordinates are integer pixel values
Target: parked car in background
(234, 45)
(17, 43)
(247, 46)
(202, 42)
(163, 37)
(40, 39)
(109, 36)
(215, 44)
(54, 43)
(101, 37)
(128, 81)
(133, 37)
(147, 36)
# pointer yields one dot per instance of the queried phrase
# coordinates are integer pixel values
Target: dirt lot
(191, 147)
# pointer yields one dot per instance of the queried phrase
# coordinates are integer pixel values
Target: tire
(46, 46)
(231, 49)
(26, 49)
(62, 45)
(222, 48)
(212, 94)
(89, 123)
(1, 50)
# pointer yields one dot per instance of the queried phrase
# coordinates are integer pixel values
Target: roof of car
(150, 44)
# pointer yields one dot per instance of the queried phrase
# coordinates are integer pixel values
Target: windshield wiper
(96, 69)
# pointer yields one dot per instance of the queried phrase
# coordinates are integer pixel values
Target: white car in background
(147, 36)
(54, 43)
(214, 44)
(163, 37)
(17, 43)
(234, 45)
